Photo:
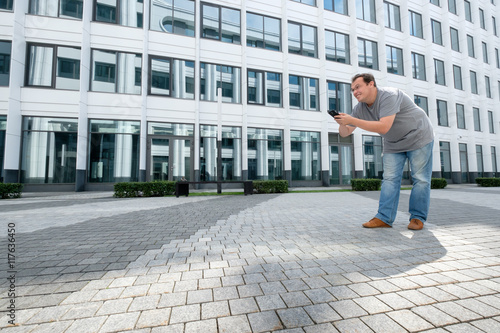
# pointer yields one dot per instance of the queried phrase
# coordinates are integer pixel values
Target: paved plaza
(295, 263)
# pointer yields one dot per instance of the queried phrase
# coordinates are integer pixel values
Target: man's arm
(346, 122)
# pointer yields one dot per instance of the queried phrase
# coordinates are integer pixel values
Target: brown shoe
(376, 223)
(415, 224)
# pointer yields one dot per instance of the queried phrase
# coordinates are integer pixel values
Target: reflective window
(372, 157)
(485, 53)
(487, 86)
(422, 103)
(479, 160)
(482, 22)
(416, 28)
(337, 6)
(452, 6)
(468, 11)
(418, 66)
(454, 39)
(477, 119)
(435, 2)
(445, 157)
(265, 154)
(460, 116)
(394, 60)
(264, 88)
(473, 82)
(305, 155)
(49, 150)
(470, 46)
(123, 12)
(209, 154)
(494, 25)
(171, 77)
(307, 2)
(227, 78)
(53, 66)
(365, 10)
(442, 112)
(491, 123)
(6, 4)
(337, 47)
(5, 49)
(494, 161)
(56, 8)
(3, 127)
(464, 163)
(339, 97)
(220, 23)
(170, 129)
(437, 36)
(302, 40)
(263, 32)
(116, 72)
(392, 16)
(174, 16)
(457, 77)
(439, 74)
(304, 93)
(113, 151)
(367, 54)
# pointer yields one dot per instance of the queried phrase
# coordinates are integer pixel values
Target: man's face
(363, 92)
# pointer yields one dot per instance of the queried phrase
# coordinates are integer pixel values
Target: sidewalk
(295, 263)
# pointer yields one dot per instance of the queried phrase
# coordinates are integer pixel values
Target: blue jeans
(421, 172)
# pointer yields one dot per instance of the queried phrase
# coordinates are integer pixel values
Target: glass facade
(49, 150)
(305, 150)
(230, 157)
(263, 32)
(445, 155)
(337, 47)
(174, 16)
(372, 157)
(339, 97)
(304, 93)
(123, 12)
(218, 76)
(56, 8)
(265, 154)
(171, 77)
(264, 88)
(3, 127)
(113, 151)
(5, 49)
(116, 72)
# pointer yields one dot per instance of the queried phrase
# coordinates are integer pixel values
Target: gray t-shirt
(411, 129)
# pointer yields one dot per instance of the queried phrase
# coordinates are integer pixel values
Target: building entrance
(169, 158)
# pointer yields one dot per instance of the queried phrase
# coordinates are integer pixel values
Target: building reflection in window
(171, 77)
(265, 154)
(116, 72)
(3, 128)
(56, 8)
(231, 153)
(123, 12)
(5, 48)
(303, 93)
(174, 16)
(305, 149)
(372, 157)
(218, 76)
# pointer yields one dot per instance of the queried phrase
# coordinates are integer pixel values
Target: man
(407, 134)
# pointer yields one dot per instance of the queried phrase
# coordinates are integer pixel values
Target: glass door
(169, 158)
(341, 166)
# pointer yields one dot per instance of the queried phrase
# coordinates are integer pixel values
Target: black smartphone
(333, 113)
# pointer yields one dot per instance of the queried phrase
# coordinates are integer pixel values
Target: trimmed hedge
(270, 186)
(368, 184)
(488, 181)
(144, 189)
(10, 190)
(438, 183)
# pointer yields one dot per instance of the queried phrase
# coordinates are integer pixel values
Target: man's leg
(391, 186)
(421, 173)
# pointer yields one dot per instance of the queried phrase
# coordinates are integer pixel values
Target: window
(3, 127)
(418, 66)
(304, 93)
(494, 161)
(452, 6)
(365, 10)
(55, 8)
(454, 39)
(442, 112)
(468, 11)
(53, 66)
(473, 82)
(5, 49)
(263, 32)
(497, 56)
(445, 157)
(482, 22)
(113, 151)
(460, 116)
(111, 72)
(494, 25)
(439, 72)
(367, 54)
(437, 37)
(337, 6)
(372, 157)
(305, 155)
(394, 60)
(470, 46)
(302, 40)
(123, 12)
(337, 47)
(7, 5)
(220, 23)
(264, 88)
(218, 76)
(457, 77)
(307, 2)
(485, 53)
(491, 122)
(392, 16)
(487, 86)
(173, 16)
(435, 2)
(422, 103)
(265, 154)
(339, 96)
(171, 77)
(479, 159)
(230, 154)
(464, 162)
(477, 119)
(416, 28)
(49, 150)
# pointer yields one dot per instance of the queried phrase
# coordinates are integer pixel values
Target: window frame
(219, 22)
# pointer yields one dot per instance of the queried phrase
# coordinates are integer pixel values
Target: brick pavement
(296, 262)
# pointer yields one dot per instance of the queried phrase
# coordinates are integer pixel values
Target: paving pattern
(295, 263)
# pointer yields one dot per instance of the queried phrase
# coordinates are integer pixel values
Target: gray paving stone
(434, 315)
(294, 317)
(185, 313)
(410, 320)
(322, 313)
(234, 324)
(202, 326)
(243, 306)
(352, 325)
(457, 311)
(381, 323)
(153, 318)
(264, 321)
(215, 310)
(86, 325)
(321, 328)
(120, 322)
(348, 309)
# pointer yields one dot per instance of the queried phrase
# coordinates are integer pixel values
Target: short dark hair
(367, 78)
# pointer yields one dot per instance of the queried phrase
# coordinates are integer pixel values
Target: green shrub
(488, 181)
(270, 186)
(10, 190)
(368, 184)
(438, 183)
(144, 189)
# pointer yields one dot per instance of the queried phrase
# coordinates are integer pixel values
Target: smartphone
(333, 113)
